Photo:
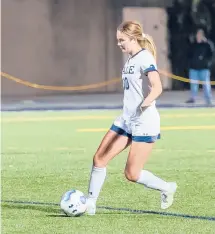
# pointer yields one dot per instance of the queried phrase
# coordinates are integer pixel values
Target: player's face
(124, 42)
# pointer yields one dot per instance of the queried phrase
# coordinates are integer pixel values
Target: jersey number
(125, 83)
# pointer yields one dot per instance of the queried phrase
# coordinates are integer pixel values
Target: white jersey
(136, 83)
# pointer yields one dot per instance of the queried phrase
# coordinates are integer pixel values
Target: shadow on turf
(99, 213)
(56, 212)
(46, 209)
(58, 216)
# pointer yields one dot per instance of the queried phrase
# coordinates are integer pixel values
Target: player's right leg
(115, 141)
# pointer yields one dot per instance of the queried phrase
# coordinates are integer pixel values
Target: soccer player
(139, 124)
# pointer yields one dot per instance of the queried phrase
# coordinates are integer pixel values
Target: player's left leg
(138, 155)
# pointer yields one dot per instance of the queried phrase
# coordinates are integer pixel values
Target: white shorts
(144, 128)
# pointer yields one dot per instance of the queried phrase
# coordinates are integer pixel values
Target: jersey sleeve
(147, 63)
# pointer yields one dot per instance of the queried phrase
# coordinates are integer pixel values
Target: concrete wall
(59, 42)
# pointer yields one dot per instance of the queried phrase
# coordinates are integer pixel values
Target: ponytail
(147, 42)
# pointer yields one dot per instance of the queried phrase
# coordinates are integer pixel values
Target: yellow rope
(183, 79)
(90, 86)
(64, 88)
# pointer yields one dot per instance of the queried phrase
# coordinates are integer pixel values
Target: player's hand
(145, 104)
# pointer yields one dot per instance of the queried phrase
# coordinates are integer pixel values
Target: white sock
(96, 181)
(152, 181)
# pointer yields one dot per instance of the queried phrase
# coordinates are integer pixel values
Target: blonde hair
(134, 29)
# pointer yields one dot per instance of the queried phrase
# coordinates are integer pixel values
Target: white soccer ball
(73, 203)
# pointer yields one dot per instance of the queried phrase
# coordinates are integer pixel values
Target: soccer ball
(73, 203)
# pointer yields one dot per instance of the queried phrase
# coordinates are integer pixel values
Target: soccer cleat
(91, 207)
(168, 197)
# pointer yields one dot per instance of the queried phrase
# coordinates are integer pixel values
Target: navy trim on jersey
(147, 139)
(149, 69)
(120, 131)
(136, 53)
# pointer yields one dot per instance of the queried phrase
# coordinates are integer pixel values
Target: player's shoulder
(147, 57)
(146, 54)
(147, 61)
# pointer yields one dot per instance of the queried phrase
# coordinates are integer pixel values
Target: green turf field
(45, 154)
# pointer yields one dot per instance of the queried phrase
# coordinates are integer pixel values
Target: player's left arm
(156, 88)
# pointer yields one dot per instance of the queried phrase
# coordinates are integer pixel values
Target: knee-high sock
(97, 179)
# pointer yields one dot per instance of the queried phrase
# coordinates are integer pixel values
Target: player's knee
(131, 175)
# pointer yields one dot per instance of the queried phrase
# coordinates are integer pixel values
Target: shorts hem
(120, 131)
(146, 139)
